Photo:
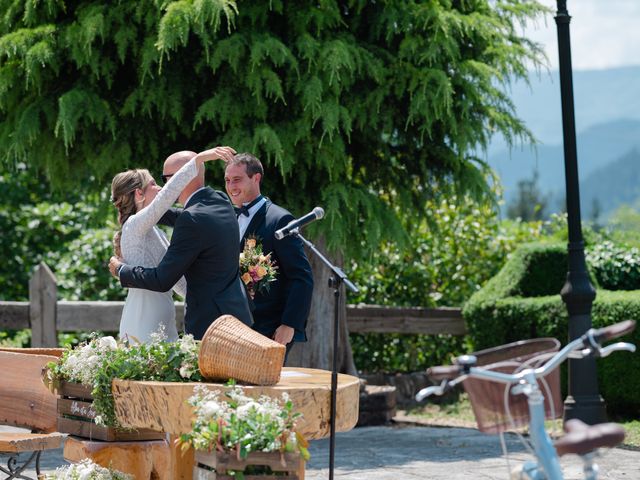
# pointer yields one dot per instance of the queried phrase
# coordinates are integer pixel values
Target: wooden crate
(214, 465)
(76, 417)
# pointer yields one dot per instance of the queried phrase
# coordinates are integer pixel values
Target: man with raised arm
(203, 248)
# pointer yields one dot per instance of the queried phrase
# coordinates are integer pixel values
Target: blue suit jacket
(288, 300)
(203, 248)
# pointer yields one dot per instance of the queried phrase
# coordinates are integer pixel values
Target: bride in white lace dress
(141, 203)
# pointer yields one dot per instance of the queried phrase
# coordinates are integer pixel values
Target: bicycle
(580, 439)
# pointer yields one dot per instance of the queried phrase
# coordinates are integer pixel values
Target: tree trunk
(317, 352)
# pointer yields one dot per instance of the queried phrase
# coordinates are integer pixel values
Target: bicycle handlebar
(613, 331)
(444, 372)
(587, 344)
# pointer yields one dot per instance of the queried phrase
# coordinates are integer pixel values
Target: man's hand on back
(114, 266)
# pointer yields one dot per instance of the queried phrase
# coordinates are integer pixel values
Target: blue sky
(604, 33)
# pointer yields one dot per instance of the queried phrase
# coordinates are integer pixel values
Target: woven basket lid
(231, 349)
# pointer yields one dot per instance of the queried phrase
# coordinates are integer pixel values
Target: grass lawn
(460, 414)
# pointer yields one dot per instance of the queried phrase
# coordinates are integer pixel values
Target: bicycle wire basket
(488, 399)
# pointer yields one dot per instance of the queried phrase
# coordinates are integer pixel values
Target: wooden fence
(45, 315)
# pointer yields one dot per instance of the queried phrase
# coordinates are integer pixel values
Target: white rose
(186, 371)
(108, 343)
(245, 410)
(211, 409)
(84, 471)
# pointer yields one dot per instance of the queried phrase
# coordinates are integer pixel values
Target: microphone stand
(335, 281)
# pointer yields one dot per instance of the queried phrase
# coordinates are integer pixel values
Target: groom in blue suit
(282, 312)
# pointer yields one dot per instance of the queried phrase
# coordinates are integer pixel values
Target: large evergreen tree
(362, 107)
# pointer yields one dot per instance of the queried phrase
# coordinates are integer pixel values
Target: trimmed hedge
(507, 309)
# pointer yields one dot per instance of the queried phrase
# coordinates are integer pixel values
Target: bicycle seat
(582, 438)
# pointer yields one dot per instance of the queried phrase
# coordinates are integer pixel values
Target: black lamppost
(584, 401)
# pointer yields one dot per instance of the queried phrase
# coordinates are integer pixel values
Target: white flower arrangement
(80, 365)
(243, 424)
(87, 470)
(102, 359)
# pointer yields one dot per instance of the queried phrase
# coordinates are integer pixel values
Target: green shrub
(395, 352)
(449, 257)
(82, 271)
(40, 225)
(500, 313)
(615, 267)
(532, 270)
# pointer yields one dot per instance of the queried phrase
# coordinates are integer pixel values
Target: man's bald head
(174, 162)
(177, 160)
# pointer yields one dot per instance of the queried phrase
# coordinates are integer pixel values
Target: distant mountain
(607, 115)
(600, 96)
(598, 146)
(610, 186)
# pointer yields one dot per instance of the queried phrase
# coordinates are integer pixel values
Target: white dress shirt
(244, 221)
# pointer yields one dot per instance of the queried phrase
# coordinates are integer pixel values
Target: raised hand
(216, 153)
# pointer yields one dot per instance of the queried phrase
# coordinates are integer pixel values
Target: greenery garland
(97, 362)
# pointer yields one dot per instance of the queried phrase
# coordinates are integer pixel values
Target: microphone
(315, 214)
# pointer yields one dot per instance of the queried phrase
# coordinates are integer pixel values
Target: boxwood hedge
(523, 301)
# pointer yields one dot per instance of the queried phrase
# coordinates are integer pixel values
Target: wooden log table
(163, 405)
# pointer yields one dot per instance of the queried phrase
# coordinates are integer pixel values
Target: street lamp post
(584, 401)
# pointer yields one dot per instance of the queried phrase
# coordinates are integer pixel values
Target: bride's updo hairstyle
(123, 189)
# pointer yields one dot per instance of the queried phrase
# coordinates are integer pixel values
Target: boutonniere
(257, 270)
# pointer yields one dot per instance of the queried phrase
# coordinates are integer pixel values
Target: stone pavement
(419, 452)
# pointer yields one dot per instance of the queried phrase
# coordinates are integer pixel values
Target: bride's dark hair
(123, 188)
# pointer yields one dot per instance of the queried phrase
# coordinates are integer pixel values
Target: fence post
(43, 298)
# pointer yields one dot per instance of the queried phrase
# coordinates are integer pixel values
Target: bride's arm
(146, 218)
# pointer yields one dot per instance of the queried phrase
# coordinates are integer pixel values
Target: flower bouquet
(86, 470)
(256, 269)
(240, 435)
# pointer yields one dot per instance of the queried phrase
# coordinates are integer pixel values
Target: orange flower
(246, 278)
(261, 271)
(251, 242)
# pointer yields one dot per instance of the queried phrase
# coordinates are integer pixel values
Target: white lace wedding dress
(144, 244)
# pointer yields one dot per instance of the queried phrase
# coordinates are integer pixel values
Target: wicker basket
(230, 349)
(488, 398)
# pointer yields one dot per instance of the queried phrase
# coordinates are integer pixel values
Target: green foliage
(15, 338)
(624, 225)
(529, 203)
(365, 107)
(57, 229)
(508, 309)
(81, 270)
(435, 270)
(240, 424)
(395, 352)
(533, 270)
(97, 362)
(618, 373)
(615, 267)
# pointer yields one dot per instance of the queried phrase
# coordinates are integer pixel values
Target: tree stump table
(163, 406)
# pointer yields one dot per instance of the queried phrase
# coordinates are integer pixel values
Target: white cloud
(604, 33)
